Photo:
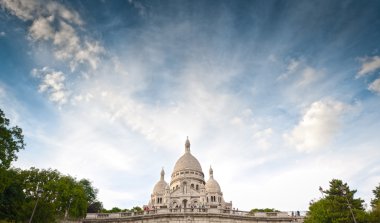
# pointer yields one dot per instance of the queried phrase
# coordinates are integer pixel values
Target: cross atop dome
(162, 173)
(187, 145)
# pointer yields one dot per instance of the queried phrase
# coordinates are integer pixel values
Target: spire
(162, 173)
(187, 145)
(211, 172)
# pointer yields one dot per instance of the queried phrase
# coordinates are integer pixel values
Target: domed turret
(212, 186)
(161, 185)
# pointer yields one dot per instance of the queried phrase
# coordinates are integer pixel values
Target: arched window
(206, 199)
(192, 186)
(197, 187)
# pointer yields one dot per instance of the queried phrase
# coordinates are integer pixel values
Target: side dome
(161, 185)
(212, 186)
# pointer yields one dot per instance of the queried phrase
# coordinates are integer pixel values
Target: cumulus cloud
(369, 65)
(31, 9)
(57, 24)
(320, 122)
(375, 86)
(52, 83)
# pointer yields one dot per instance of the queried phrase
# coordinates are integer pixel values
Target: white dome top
(160, 185)
(212, 186)
(187, 161)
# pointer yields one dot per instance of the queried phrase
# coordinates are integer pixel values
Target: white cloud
(56, 24)
(52, 83)
(41, 28)
(308, 76)
(319, 124)
(31, 9)
(369, 65)
(23, 9)
(375, 86)
(2, 33)
(300, 72)
(263, 138)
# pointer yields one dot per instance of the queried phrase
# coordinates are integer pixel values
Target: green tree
(376, 201)
(263, 210)
(91, 192)
(63, 196)
(137, 209)
(375, 204)
(95, 207)
(11, 141)
(334, 207)
(12, 198)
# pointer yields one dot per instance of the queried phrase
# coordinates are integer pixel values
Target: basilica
(187, 188)
(189, 198)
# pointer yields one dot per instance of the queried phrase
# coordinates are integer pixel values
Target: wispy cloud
(369, 65)
(375, 86)
(139, 6)
(300, 72)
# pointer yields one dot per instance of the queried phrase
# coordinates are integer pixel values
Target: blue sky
(278, 96)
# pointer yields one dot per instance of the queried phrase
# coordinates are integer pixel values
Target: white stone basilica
(189, 199)
(187, 188)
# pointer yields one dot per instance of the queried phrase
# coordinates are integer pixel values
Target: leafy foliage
(334, 207)
(95, 207)
(11, 141)
(376, 201)
(263, 210)
(62, 196)
(116, 210)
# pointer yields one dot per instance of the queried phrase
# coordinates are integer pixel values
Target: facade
(189, 198)
(187, 188)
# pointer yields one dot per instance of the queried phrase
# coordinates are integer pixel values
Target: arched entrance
(184, 203)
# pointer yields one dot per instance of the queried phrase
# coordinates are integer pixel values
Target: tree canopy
(335, 206)
(263, 210)
(11, 141)
(62, 196)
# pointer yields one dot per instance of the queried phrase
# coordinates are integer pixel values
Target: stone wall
(192, 216)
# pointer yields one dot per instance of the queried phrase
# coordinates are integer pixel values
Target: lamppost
(39, 193)
(343, 189)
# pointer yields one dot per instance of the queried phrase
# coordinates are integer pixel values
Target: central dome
(187, 162)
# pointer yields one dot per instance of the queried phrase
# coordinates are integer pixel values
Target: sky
(279, 97)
